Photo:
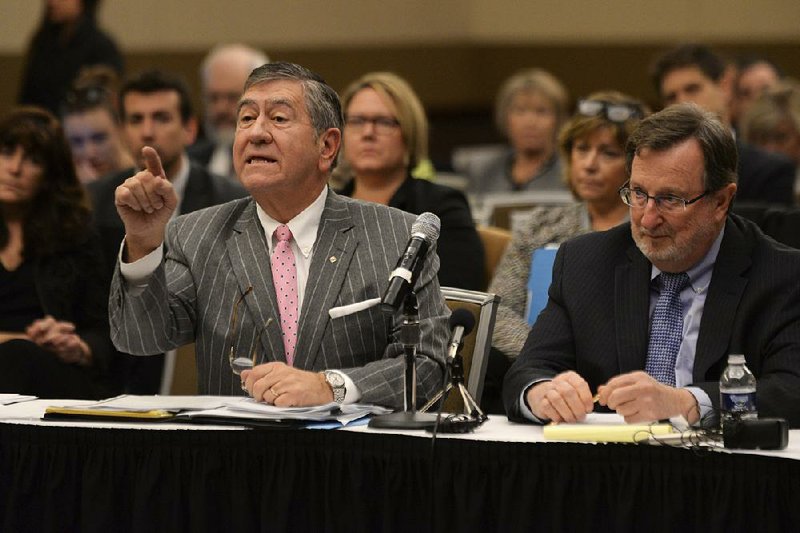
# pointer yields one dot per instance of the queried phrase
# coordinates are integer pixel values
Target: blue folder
(541, 275)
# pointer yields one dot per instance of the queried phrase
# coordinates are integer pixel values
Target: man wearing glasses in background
(280, 260)
(641, 318)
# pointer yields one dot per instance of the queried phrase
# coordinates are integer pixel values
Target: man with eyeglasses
(641, 318)
(263, 276)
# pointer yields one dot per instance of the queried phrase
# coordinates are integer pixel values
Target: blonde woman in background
(386, 136)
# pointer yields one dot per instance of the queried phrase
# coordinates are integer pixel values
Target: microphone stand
(409, 336)
(455, 369)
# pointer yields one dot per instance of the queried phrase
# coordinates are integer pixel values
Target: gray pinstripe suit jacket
(213, 256)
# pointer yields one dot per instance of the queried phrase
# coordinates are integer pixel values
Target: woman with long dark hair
(54, 337)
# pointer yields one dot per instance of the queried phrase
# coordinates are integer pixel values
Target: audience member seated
(773, 124)
(54, 335)
(67, 39)
(592, 145)
(694, 73)
(156, 111)
(754, 76)
(222, 75)
(530, 107)
(93, 130)
(385, 136)
(641, 318)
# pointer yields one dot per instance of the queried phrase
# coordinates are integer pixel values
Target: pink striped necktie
(284, 277)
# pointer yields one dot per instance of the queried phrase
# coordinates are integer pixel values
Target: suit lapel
(728, 283)
(632, 310)
(333, 252)
(248, 254)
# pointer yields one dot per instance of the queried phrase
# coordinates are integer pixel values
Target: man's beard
(677, 251)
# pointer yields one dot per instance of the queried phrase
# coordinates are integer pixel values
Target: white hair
(250, 58)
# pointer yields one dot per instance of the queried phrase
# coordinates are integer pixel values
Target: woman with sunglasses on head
(54, 336)
(385, 137)
(592, 146)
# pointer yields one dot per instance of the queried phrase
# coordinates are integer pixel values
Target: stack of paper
(223, 409)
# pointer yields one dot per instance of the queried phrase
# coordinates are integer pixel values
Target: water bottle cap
(736, 359)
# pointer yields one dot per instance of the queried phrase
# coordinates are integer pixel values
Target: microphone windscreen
(465, 319)
(428, 225)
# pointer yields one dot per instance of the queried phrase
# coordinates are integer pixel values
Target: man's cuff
(351, 392)
(523, 405)
(137, 274)
(703, 402)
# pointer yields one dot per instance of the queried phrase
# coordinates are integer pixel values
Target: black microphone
(424, 233)
(461, 324)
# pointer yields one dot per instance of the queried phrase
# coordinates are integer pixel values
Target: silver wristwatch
(336, 381)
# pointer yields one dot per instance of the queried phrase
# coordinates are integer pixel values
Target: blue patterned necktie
(666, 329)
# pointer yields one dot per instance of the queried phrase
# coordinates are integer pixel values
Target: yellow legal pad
(154, 414)
(605, 432)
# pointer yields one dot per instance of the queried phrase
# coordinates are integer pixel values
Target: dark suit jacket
(215, 254)
(764, 177)
(459, 246)
(596, 321)
(203, 189)
(73, 286)
(201, 152)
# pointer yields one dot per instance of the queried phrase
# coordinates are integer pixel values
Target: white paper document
(247, 408)
(131, 402)
(8, 399)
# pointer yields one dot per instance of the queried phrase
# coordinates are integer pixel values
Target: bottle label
(738, 403)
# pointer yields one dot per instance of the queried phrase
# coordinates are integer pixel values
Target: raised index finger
(152, 162)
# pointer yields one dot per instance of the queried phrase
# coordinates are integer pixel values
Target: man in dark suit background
(298, 258)
(156, 111)
(742, 294)
(694, 73)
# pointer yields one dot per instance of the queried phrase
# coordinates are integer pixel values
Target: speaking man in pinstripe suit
(739, 294)
(179, 282)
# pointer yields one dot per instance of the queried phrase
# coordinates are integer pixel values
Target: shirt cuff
(523, 405)
(703, 402)
(137, 274)
(351, 392)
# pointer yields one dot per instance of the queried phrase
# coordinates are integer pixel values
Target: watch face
(336, 380)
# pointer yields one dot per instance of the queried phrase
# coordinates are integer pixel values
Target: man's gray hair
(674, 125)
(322, 102)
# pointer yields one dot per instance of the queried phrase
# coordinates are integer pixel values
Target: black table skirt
(77, 479)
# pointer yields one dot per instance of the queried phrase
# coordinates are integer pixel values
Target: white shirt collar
(303, 227)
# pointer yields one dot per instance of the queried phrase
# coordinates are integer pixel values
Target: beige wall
(454, 53)
(146, 25)
(625, 21)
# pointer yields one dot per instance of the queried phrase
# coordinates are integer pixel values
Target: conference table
(118, 476)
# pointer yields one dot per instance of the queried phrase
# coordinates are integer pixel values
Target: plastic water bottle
(737, 391)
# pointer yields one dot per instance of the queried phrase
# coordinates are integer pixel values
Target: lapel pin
(332, 259)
